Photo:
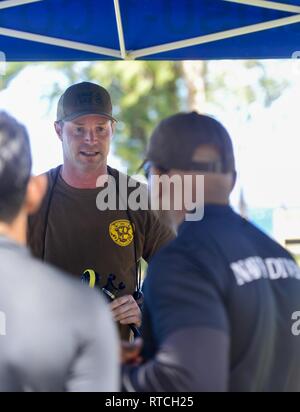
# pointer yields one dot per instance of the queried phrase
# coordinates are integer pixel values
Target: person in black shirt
(220, 297)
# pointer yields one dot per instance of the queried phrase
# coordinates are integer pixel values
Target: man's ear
(58, 129)
(113, 127)
(155, 171)
(35, 193)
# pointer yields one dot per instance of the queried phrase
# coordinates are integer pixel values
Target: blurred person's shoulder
(57, 285)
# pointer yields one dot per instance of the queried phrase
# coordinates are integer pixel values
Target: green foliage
(11, 71)
(142, 94)
(236, 86)
(145, 92)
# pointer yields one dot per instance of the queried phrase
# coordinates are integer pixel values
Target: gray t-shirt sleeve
(190, 360)
(96, 364)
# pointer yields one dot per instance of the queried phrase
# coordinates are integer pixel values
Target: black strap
(138, 269)
(48, 210)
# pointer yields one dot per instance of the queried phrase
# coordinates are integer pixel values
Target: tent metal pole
(273, 5)
(53, 41)
(13, 3)
(120, 29)
(254, 28)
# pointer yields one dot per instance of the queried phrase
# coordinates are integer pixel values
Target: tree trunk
(193, 73)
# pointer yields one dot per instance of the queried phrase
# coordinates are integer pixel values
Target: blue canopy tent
(46, 30)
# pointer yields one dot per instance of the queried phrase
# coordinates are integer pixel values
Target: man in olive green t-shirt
(70, 231)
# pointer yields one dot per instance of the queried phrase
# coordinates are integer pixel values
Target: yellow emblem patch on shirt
(121, 232)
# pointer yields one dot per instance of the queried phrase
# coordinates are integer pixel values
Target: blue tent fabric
(145, 23)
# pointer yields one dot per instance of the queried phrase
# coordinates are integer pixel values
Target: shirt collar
(209, 210)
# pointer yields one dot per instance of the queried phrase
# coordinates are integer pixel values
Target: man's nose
(90, 136)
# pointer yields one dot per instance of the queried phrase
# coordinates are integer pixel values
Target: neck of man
(16, 230)
(83, 179)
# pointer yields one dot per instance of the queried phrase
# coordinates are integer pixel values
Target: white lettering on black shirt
(255, 268)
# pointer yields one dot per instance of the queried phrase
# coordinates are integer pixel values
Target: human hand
(126, 311)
